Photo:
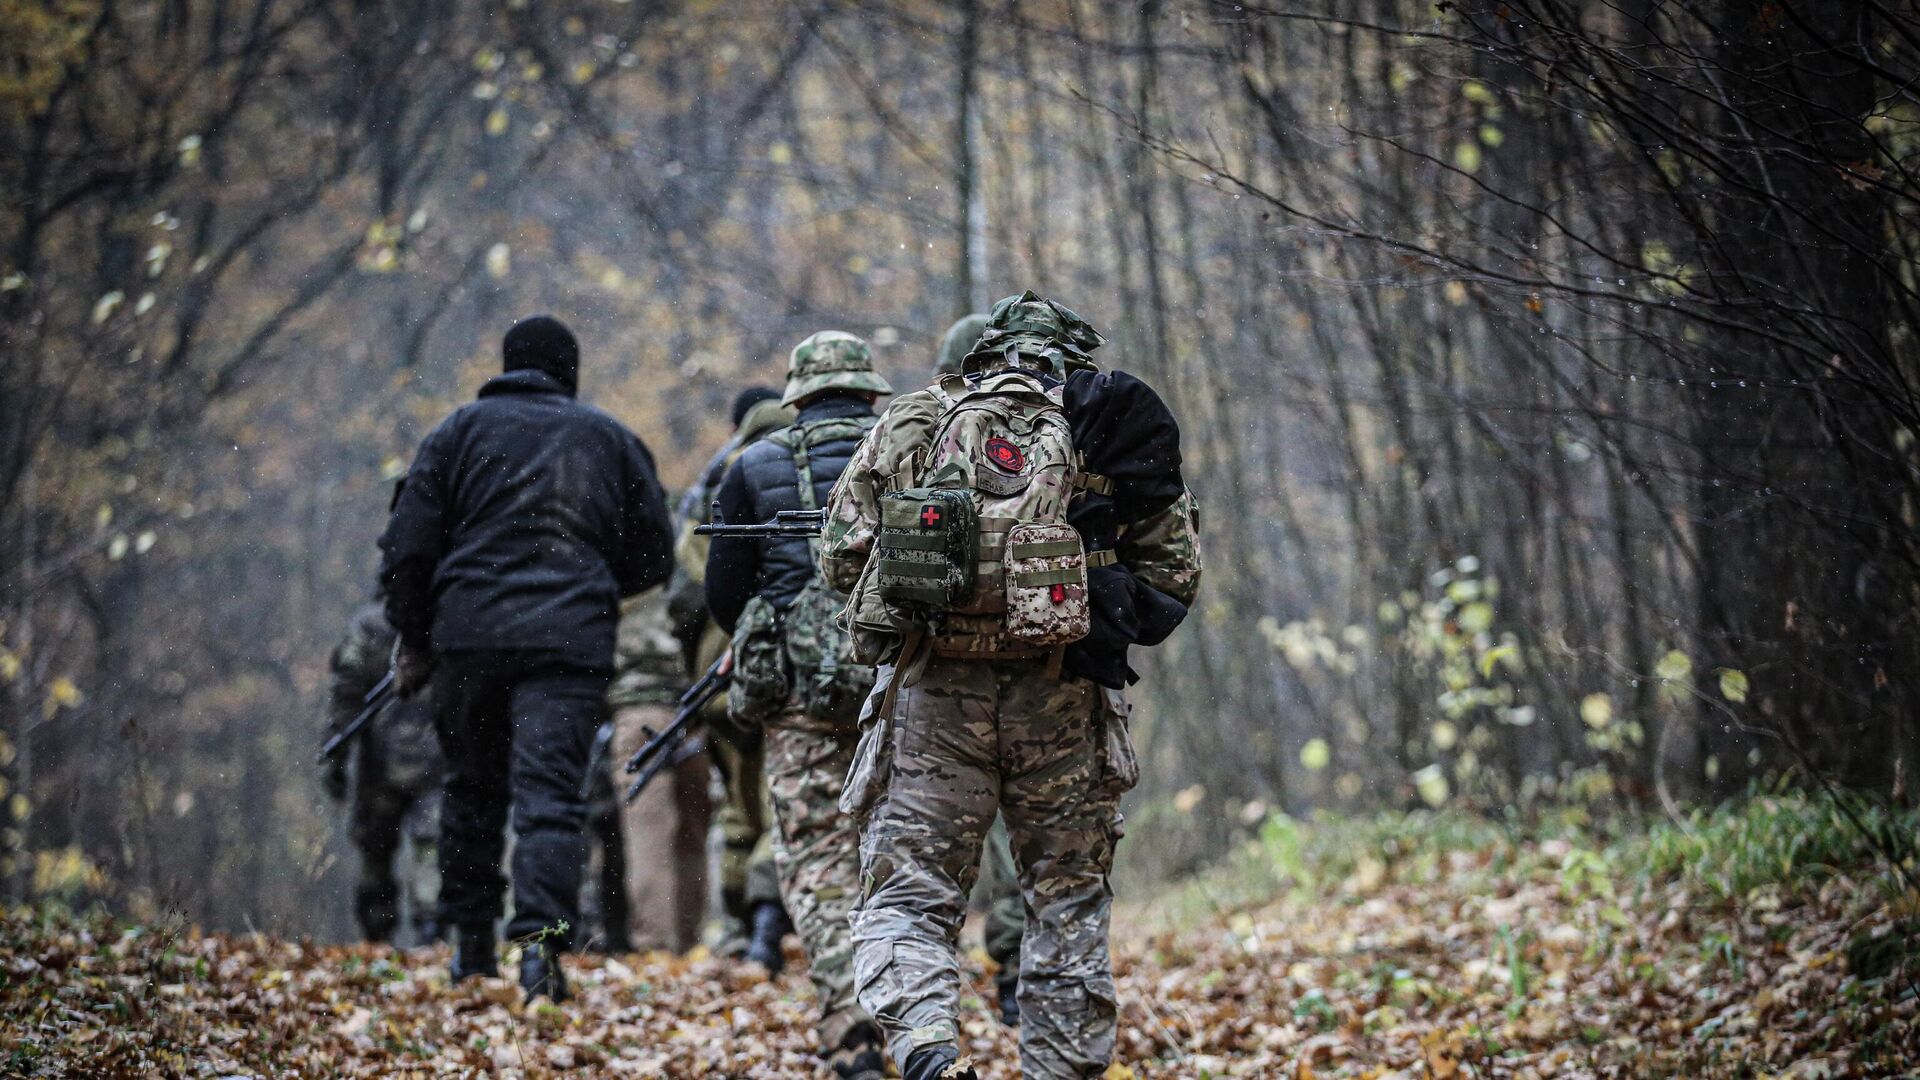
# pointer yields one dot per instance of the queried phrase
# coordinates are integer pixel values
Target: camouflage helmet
(1029, 330)
(831, 360)
(959, 342)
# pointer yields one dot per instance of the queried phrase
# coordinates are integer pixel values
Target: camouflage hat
(959, 341)
(1033, 328)
(831, 360)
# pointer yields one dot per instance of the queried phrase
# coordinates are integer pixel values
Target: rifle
(370, 706)
(670, 746)
(784, 523)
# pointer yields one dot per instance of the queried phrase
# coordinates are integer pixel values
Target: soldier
(749, 885)
(396, 784)
(988, 705)
(999, 888)
(664, 829)
(526, 516)
(791, 670)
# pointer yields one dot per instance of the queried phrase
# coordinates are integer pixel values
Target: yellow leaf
(1466, 157)
(64, 692)
(1494, 656)
(1596, 710)
(1431, 783)
(1117, 1071)
(1674, 666)
(499, 261)
(497, 122)
(780, 153)
(1477, 617)
(1733, 684)
(1186, 800)
(1316, 754)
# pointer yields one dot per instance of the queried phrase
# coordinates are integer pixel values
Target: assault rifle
(370, 706)
(784, 523)
(671, 745)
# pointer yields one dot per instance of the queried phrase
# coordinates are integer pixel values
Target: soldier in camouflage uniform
(748, 880)
(752, 582)
(999, 888)
(395, 789)
(962, 737)
(664, 829)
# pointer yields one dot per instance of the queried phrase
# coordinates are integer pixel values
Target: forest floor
(1759, 941)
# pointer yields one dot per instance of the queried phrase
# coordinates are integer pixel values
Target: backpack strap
(801, 438)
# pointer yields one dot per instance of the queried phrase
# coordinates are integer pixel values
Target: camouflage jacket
(649, 667)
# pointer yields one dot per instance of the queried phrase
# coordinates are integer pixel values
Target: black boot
(770, 925)
(474, 953)
(1008, 992)
(938, 1063)
(859, 1056)
(541, 974)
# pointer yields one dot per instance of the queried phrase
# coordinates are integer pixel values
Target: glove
(334, 780)
(411, 669)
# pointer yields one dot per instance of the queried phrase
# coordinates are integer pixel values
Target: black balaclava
(746, 399)
(543, 343)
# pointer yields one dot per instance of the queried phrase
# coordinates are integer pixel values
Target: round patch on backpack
(1006, 455)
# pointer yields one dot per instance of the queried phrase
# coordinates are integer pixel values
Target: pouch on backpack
(1046, 585)
(761, 680)
(926, 549)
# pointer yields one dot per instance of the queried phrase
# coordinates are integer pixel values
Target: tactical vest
(802, 655)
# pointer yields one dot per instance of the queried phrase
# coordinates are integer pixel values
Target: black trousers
(516, 728)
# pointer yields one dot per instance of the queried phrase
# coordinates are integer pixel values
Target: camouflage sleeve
(853, 514)
(890, 450)
(1164, 550)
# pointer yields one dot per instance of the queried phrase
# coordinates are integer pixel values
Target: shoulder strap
(800, 438)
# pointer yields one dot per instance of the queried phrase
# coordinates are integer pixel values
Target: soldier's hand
(411, 669)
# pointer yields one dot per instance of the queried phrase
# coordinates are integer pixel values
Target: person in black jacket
(525, 518)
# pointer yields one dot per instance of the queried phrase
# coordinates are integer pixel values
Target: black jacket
(761, 482)
(1125, 432)
(525, 517)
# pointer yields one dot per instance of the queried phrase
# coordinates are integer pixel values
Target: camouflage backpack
(816, 655)
(979, 554)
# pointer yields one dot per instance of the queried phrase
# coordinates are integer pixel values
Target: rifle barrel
(370, 706)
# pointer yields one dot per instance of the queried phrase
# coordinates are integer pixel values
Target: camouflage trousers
(395, 822)
(968, 738)
(817, 853)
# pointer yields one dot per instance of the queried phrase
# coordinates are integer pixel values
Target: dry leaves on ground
(1485, 974)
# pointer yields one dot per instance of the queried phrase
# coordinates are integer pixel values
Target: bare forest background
(1547, 368)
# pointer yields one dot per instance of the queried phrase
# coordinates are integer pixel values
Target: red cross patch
(930, 516)
(1007, 456)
